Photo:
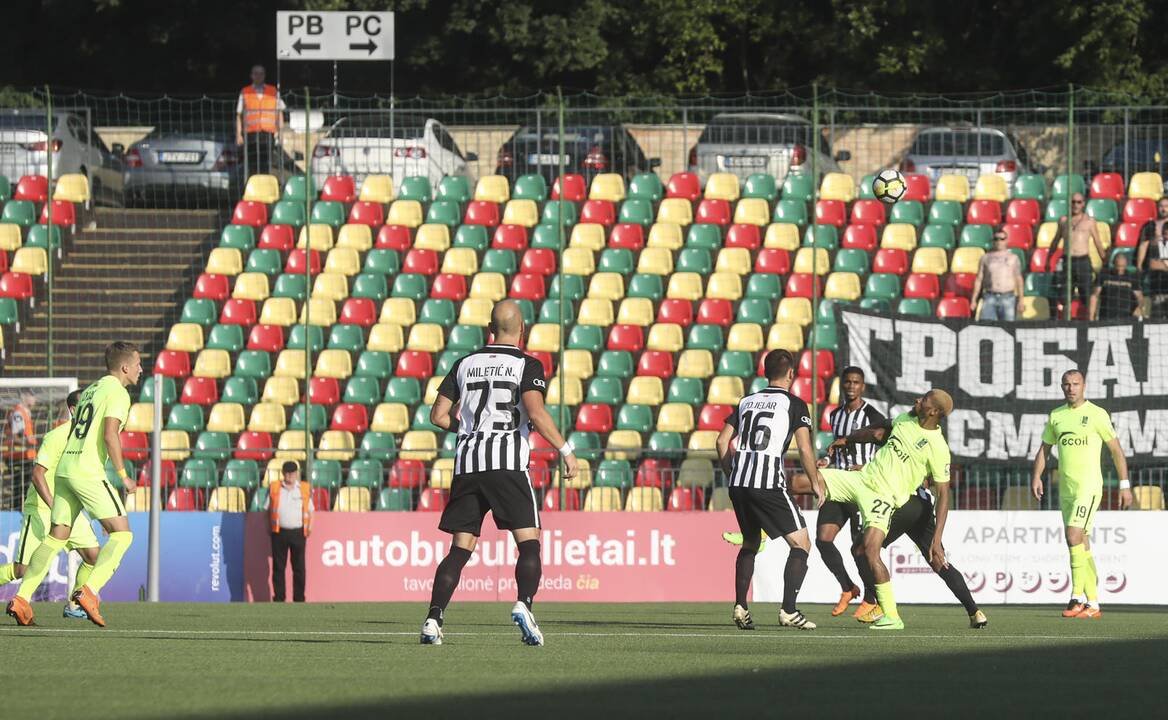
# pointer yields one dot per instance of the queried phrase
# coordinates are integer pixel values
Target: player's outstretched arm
(807, 460)
(1125, 493)
(42, 485)
(111, 431)
(725, 446)
(542, 421)
(1036, 472)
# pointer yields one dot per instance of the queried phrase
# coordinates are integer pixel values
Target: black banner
(1004, 378)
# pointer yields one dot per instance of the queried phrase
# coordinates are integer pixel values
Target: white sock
(1079, 598)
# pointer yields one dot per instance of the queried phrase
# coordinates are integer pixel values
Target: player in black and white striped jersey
(499, 395)
(764, 423)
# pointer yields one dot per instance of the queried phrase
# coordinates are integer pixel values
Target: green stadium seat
(395, 499)
(5, 189)
(706, 337)
(362, 390)
(9, 311)
(38, 236)
(736, 363)
(617, 260)
(574, 289)
(374, 364)
(548, 236)
(527, 309)
(312, 338)
(1076, 183)
(499, 261)
(296, 189)
(791, 211)
(885, 286)
(703, 236)
(605, 390)
(875, 304)
(444, 212)
(827, 308)
(289, 212)
(241, 474)
(449, 446)
(253, 364)
(404, 390)
(19, 212)
(242, 390)
(756, 310)
(823, 236)
(1102, 209)
(370, 285)
(169, 390)
(410, 285)
(454, 187)
(851, 260)
(421, 420)
(798, 187)
(326, 474)
(691, 391)
(198, 473)
(696, 260)
(465, 338)
(379, 445)
(824, 336)
(549, 312)
(438, 311)
(643, 285)
(188, 418)
(945, 212)
(259, 499)
(615, 363)
(1055, 209)
(613, 473)
(911, 212)
(760, 185)
(635, 417)
(915, 306)
(556, 210)
(382, 261)
(586, 337)
(530, 187)
(292, 286)
(938, 236)
(1037, 284)
(823, 441)
(212, 446)
(866, 188)
(646, 186)
(266, 261)
(1031, 187)
(446, 361)
(317, 418)
(978, 236)
(764, 285)
(666, 444)
(365, 472)
(328, 212)
(415, 188)
(226, 337)
(636, 210)
(472, 236)
(587, 444)
(202, 311)
(347, 337)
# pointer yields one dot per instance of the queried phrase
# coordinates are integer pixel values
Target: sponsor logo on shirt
(538, 382)
(1069, 439)
(922, 443)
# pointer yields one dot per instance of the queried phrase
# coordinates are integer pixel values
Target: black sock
(866, 577)
(445, 580)
(528, 571)
(835, 563)
(793, 576)
(743, 572)
(957, 585)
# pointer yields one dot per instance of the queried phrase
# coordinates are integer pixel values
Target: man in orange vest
(290, 514)
(20, 444)
(259, 120)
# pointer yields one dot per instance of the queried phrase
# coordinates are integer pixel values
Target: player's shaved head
(1071, 373)
(943, 401)
(507, 320)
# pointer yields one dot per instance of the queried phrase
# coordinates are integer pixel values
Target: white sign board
(334, 35)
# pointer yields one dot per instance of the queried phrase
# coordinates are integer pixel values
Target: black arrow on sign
(366, 46)
(299, 46)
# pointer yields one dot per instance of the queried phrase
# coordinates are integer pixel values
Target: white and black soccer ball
(889, 186)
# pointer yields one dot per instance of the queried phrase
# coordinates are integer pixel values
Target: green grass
(601, 661)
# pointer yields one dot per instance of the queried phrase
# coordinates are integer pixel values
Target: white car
(747, 143)
(366, 144)
(967, 151)
(24, 151)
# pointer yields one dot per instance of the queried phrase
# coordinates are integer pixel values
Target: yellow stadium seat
(278, 311)
(931, 260)
(521, 212)
(493, 188)
(665, 235)
(675, 417)
(385, 337)
(578, 261)
(545, 337)
(10, 239)
(573, 391)
(185, 337)
(722, 186)
(899, 236)
(474, 311)
(587, 236)
(274, 471)
(401, 311)
(1046, 233)
(140, 418)
(1148, 497)
(226, 418)
(644, 499)
(330, 286)
(745, 336)
(782, 236)
(460, 261)
(833, 394)
(176, 445)
(675, 210)
(433, 236)
(267, 417)
(319, 311)
(212, 363)
(703, 443)
(655, 261)
(291, 364)
(684, 286)
(442, 473)
(339, 445)
(577, 364)
(635, 311)
(1035, 308)
(991, 187)
(251, 286)
(377, 188)
(725, 390)
(390, 418)
(317, 236)
(1019, 497)
(752, 211)
(353, 499)
(666, 337)
(645, 390)
(426, 338)
(785, 335)
(965, 260)
(291, 445)
(334, 363)
(139, 500)
(623, 445)
(724, 286)
(488, 286)
(405, 212)
(733, 260)
(582, 481)
(73, 187)
(430, 396)
(30, 261)
(223, 261)
(696, 472)
(262, 189)
(283, 390)
(344, 261)
(607, 286)
(952, 187)
(812, 260)
(602, 499)
(695, 364)
(595, 311)
(837, 186)
(843, 286)
(795, 310)
(1104, 231)
(720, 500)
(1146, 185)
(607, 186)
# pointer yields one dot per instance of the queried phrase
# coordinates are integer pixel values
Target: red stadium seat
(868, 212)
(367, 213)
(393, 237)
(510, 237)
(959, 285)
(594, 417)
(1139, 210)
(630, 236)
(713, 417)
(984, 212)
(64, 213)
(269, 338)
(744, 236)
(1107, 185)
(684, 185)
(860, 237)
(254, 446)
(1128, 234)
(16, 285)
(1023, 211)
(917, 187)
(575, 188)
(324, 391)
(422, 262)
(339, 188)
(538, 471)
(237, 311)
(656, 363)
(801, 388)
(173, 363)
(803, 285)
(541, 449)
(953, 307)
(3, 262)
(824, 364)
(169, 474)
(481, 212)
(540, 261)
(825, 417)
(407, 474)
(1019, 236)
(545, 359)
(433, 499)
(200, 391)
(627, 337)
(449, 287)
(135, 445)
(600, 212)
(416, 364)
(359, 311)
(351, 417)
(551, 500)
(296, 262)
(674, 310)
(773, 260)
(971, 497)
(890, 260)
(684, 499)
(1039, 260)
(713, 212)
(654, 472)
(277, 237)
(248, 212)
(32, 187)
(831, 212)
(526, 286)
(213, 287)
(922, 285)
(320, 497)
(716, 312)
(184, 499)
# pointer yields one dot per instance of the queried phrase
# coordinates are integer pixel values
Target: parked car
(24, 151)
(587, 151)
(968, 151)
(374, 144)
(747, 143)
(1136, 156)
(177, 166)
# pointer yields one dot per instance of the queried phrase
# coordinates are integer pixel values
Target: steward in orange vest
(290, 529)
(259, 119)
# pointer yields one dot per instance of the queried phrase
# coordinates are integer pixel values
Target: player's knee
(826, 533)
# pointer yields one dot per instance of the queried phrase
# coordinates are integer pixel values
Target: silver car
(184, 167)
(24, 145)
(967, 151)
(747, 143)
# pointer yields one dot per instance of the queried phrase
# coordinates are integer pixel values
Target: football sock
(528, 571)
(793, 576)
(7, 573)
(835, 563)
(743, 572)
(866, 577)
(887, 600)
(83, 573)
(1091, 584)
(445, 580)
(109, 558)
(38, 566)
(1078, 569)
(960, 589)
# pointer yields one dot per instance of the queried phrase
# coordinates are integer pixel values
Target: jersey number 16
(756, 434)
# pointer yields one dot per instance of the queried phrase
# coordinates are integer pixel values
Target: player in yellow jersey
(82, 485)
(1080, 428)
(37, 504)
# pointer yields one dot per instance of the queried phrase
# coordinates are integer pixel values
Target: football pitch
(600, 661)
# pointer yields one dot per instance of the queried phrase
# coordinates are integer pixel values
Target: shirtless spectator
(1083, 233)
(999, 282)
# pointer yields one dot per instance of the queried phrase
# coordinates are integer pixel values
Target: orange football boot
(91, 604)
(845, 597)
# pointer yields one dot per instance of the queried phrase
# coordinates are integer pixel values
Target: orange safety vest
(29, 440)
(305, 505)
(260, 109)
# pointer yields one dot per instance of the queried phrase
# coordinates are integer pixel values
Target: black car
(1135, 156)
(588, 151)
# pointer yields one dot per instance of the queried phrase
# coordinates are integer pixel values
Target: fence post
(307, 230)
(49, 227)
(1067, 259)
(153, 549)
(1126, 142)
(560, 422)
(814, 257)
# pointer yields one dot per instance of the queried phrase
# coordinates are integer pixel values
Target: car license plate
(969, 172)
(747, 161)
(179, 158)
(545, 159)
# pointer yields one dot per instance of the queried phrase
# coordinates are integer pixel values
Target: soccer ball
(889, 186)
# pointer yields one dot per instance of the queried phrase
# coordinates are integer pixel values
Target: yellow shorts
(95, 496)
(848, 486)
(1079, 508)
(35, 527)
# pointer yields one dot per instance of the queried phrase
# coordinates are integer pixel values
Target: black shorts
(917, 519)
(839, 514)
(771, 511)
(506, 494)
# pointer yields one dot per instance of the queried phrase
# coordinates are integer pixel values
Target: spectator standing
(1152, 259)
(1083, 232)
(259, 120)
(1117, 293)
(999, 282)
(290, 512)
(1161, 215)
